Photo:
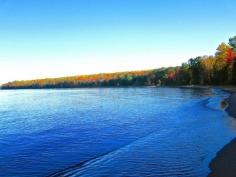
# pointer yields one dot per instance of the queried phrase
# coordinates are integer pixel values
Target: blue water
(111, 132)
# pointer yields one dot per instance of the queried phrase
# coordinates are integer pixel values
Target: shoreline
(224, 163)
(231, 109)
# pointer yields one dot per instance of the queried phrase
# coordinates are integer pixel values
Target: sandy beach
(224, 164)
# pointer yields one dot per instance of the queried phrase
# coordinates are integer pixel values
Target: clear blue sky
(48, 38)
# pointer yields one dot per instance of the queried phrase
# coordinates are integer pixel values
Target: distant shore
(224, 164)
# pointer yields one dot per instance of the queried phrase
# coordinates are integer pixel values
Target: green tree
(195, 70)
(232, 42)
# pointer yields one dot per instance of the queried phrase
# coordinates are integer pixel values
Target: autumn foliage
(219, 69)
(231, 56)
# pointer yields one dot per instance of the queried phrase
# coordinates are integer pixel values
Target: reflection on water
(111, 131)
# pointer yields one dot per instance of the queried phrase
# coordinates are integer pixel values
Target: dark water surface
(111, 132)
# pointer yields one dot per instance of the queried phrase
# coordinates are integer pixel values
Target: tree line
(219, 69)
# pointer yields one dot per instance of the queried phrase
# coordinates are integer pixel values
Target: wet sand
(232, 105)
(224, 164)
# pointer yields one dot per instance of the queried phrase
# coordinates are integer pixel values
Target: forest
(219, 69)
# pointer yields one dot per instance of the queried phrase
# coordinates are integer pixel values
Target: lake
(111, 131)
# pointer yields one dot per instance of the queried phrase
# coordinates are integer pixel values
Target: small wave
(215, 102)
(73, 170)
